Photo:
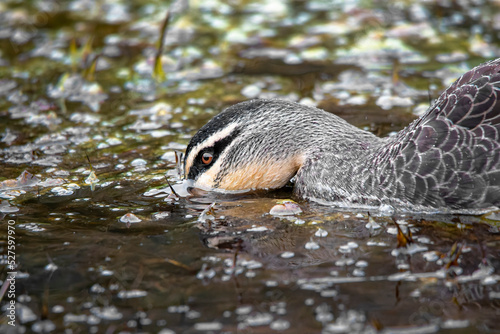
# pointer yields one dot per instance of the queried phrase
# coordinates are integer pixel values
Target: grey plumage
(447, 159)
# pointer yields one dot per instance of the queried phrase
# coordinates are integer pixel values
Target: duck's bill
(195, 188)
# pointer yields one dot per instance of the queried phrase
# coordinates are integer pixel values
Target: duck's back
(450, 157)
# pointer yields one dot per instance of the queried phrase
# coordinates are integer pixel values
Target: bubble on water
(43, 326)
(323, 313)
(287, 255)
(386, 209)
(350, 321)
(255, 228)
(127, 294)
(314, 54)
(311, 245)
(24, 313)
(292, 59)
(166, 331)
(178, 309)
(93, 320)
(348, 247)
(23, 298)
(6, 86)
(426, 240)
(280, 325)
(51, 267)
(97, 288)
(259, 319)
(455, 323)
(70, 317)
(160, 133)
(329, 293)
(321, 233)
(115, 12)
(106, 313)
(11, 194)
(251, 91)
(358, 272)
(130, 218)
(57, 309)
(242, 310)
(251, 264)
(85, 118)
(208, 326)
(375, 243)
(141, 125)
(285, 208)
(271, 284)
(431, 256)
(48, 161)
(138, 162)
(483, 271)
(362, 264)
(205, 272)
(5, 207)
(489, 280)
(387, 102)
(192, 314)
(250, 274)
(344, 262)
(32, 227)
(161, 215)
(299, 222)
(106, 272)
(169, 156)
(87, 305)
(494, 295)
(415, 293)
(394, 230)
(102, 146)
(409, 249)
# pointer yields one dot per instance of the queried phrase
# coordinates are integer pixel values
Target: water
(88, 135)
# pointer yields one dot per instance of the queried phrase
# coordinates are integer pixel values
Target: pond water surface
(92, 115)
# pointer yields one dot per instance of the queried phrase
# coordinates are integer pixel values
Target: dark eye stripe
(216, 150)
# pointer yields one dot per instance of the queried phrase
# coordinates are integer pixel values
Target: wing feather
(452, 153)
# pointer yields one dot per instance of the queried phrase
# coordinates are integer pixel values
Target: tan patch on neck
(265, 175)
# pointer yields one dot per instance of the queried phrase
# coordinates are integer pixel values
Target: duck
(446, 160)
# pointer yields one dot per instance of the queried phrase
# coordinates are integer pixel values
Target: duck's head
(251, 145)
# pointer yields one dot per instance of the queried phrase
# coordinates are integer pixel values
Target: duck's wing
(450, 157)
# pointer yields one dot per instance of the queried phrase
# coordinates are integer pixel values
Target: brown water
(78, 98)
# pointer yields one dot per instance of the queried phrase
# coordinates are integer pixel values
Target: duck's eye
(207, 158)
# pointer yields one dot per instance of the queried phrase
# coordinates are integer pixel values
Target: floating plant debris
(285, 208)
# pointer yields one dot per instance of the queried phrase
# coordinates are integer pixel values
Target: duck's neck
(342, 170)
